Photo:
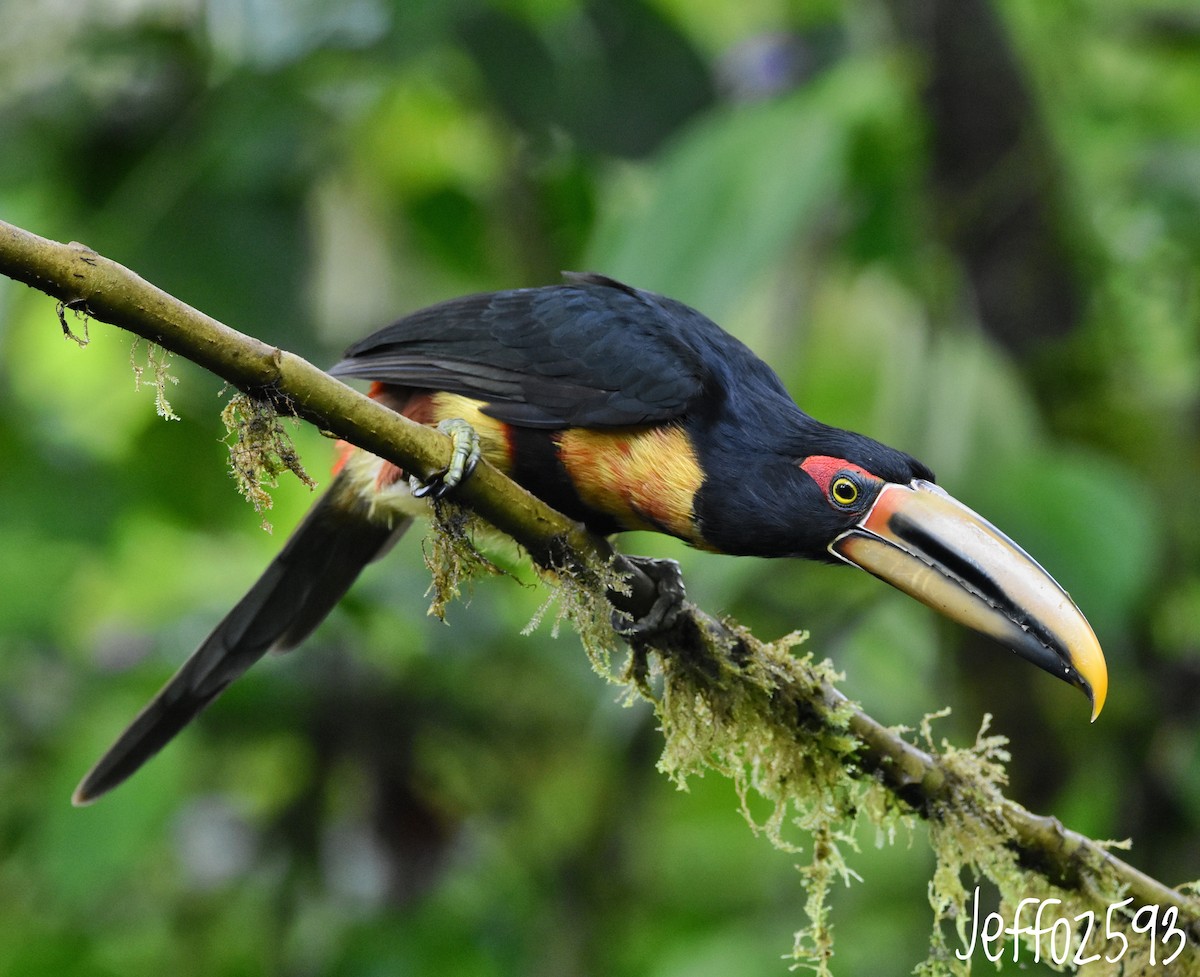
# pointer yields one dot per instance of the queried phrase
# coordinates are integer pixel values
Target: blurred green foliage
(402, 797)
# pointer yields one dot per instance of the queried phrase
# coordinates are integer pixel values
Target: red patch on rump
(416, 405)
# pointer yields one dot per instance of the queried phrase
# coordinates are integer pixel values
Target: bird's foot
(668, 602)
(463, 459)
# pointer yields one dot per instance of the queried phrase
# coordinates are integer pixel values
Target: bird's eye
(844, 491)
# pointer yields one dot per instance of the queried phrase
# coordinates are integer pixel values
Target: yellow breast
(645, 477)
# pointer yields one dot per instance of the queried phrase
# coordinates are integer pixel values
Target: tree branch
(744, 688)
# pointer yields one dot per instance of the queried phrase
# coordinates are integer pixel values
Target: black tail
(299, 588)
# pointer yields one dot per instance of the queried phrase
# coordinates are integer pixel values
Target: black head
(794, 502)
(848, 471)
(848, 498)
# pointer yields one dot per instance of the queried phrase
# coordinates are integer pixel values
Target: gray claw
(463, 459)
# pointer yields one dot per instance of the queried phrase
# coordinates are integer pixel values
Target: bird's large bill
(922, 541)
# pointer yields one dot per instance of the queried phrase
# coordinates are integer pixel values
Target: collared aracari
(626, 410)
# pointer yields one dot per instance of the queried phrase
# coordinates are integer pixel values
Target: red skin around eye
(823, 468)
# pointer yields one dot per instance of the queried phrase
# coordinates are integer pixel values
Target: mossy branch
(772, 721)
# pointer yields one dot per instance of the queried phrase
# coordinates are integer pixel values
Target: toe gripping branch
(463, 459)
(655, 600)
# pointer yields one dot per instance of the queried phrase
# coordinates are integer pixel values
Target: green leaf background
(404, 797)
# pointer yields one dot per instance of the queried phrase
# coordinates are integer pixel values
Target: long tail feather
(316, 567)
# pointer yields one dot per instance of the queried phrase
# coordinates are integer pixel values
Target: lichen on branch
(260, 450)
(451, 555)
(158, 362)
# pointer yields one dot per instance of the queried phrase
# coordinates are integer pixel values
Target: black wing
(591, 352)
